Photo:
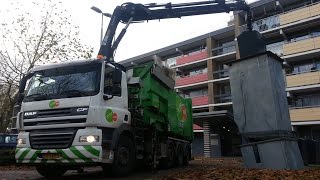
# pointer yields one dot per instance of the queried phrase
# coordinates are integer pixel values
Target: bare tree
(29, 38)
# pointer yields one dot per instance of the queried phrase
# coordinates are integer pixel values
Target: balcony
(222, 98)
(303, 79)
(300, 14)
(192, 57)
(265, 24)
(221, 74)
(305, 114)
(224, 49)
(201, 100)
(302, 46)
(191, 79)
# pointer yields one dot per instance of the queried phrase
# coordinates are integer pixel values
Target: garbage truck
(93, 112)
(98, 113)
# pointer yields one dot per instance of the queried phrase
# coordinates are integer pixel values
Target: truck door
(115, 97)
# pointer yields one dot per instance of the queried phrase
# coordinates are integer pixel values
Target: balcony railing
(192, 57)
(221, 74)
(264, 24)
(310, 100)
(201, 100)
(224, 49)
(305, 114)
(285, 18)
(299, 46)
(191, 79)
(222, 98)
(300, 14)
(303, 79)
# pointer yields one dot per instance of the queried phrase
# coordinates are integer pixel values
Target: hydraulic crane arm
(130, 12)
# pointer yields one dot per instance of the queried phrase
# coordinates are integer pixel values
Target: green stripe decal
(92, 150)
(23, 155)
(79, 154)
(34, 156)
(17, 150)
(65, 156)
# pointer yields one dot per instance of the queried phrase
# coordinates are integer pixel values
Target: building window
(196, 93)
(309, 100)
(198, 71)
(307, 66)
(224, 47)
(305, 35)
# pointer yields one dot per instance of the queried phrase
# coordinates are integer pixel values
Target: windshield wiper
(73, 93)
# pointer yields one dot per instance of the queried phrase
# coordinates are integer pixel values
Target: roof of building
(171, 50)
(262, 6)
(196, 127)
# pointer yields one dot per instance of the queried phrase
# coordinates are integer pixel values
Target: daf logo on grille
(82, 109)
(30, 113)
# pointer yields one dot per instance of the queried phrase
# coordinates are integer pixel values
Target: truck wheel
(171, 153)
(180, 154)
(124, 157)
(169, 161)
(51, 172)
(186, 157)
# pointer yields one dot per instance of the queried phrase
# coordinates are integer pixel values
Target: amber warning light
(100, 57)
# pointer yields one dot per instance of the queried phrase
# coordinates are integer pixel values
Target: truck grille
(52, 139)
(55, 122)
(54, 112)
(55, 116)
(47, 113)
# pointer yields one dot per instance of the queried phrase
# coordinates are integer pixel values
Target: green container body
(163, 108)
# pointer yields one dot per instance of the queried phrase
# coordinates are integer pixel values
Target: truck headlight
(21, 141)
(89, 139)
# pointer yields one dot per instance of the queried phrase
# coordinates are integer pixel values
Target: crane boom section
(131, 12)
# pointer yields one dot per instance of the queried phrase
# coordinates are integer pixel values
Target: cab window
(111, 88)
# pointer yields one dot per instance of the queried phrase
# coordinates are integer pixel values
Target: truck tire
(180, 153)
(124, 157)
(51, 171)
(169, 161)
(187, 155)
(171, 155)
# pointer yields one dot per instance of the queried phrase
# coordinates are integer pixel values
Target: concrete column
(212, 66)
(206, 139)
(215, 144)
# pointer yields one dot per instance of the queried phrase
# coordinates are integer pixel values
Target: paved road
(89, 173)
(195, 170)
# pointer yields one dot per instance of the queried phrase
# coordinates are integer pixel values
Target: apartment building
(291, 29)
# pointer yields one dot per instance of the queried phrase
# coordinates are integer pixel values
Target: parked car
(8, 143)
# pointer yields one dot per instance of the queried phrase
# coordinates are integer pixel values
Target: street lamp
(102, 14)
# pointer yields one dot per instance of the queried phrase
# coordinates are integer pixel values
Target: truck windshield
(64, 82)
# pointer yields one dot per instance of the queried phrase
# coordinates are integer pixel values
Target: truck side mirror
(22, 86)
(20, 98)
(117, 76)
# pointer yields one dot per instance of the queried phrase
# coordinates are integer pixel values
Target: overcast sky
(141, 37)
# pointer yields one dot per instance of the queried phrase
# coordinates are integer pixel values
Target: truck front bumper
(74, 155)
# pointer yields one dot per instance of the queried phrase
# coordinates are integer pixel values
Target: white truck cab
(70, 111)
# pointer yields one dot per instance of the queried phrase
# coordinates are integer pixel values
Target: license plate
(51, 156)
